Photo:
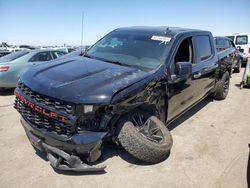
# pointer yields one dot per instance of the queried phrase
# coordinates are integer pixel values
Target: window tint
(241, 39)
(227, 44)
(57, 54)
(231, 37)
(220, 41)
(184, 52)
(41, 56)
(232, 44)
(70, 50)
(203, 47)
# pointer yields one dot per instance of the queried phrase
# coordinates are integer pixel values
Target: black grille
(61, 106)
(42, 121)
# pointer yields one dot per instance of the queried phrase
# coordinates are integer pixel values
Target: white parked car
(242, 42)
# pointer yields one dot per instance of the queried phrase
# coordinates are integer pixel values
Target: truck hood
(81, 80)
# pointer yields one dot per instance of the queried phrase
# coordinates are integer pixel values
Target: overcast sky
(55, 22)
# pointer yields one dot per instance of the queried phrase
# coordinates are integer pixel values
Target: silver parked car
(14, 64)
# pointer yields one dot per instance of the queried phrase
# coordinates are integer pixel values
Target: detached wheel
(222, 87)
(144, 136)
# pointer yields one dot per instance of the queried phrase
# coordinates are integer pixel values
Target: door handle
(197, 75)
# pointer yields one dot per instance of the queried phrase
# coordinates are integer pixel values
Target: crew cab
(125, 89)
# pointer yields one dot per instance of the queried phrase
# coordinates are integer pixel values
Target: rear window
(227, 44)
(241, 39)
(57, 54)
(13, 56)
(220, 41)
(231, 37)
(41, 56)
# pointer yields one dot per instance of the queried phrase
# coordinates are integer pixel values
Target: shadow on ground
(6, 92)
(189, 113)
(112, 150)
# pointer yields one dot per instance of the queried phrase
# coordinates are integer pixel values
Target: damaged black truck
(125, 90)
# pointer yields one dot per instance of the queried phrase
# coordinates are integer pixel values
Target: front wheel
(222, 87)
(144, 136)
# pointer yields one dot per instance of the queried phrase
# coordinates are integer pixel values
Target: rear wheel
(222, 87)
(144, 136)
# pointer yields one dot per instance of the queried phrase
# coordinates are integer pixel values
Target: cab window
(41, 56)
(57, 54)
(203, 47)
(227, 44)
(185, 51)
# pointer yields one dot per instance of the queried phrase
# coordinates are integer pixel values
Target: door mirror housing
(240, 49)
(183, 69)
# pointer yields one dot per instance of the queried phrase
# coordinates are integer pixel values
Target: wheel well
(160, 111)
(150, 108)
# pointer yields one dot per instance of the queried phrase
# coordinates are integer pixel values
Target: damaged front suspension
(61, 160)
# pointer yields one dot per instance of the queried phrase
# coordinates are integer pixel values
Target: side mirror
(183, 69)
(240, 49)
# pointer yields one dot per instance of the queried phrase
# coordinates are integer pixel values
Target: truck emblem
(40, 109)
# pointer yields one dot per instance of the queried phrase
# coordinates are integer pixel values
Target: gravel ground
(210, 150)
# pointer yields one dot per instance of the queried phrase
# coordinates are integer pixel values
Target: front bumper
(64, 154)
(244, 57)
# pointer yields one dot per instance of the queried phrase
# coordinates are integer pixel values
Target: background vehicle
(27, 47)
(14, 64)
(75, 53)
(242, 42)
(3, 53)
(125, 88)
(223, 43)
(5, 47)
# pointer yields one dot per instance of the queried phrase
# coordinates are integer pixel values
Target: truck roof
(158, 30)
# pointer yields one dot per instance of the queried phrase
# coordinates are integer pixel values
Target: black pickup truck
(125, 89)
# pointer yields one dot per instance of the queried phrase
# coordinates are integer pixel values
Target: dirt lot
(210, 150)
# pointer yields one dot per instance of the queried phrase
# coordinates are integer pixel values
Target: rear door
(205, 64)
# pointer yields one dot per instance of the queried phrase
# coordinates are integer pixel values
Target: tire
(238, 68)
(222, 87)
(138, 145)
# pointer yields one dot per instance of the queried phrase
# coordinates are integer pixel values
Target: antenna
(82, 30)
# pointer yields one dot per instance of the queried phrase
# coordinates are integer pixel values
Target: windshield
(241, 40)
(132, 49)
(13, 56)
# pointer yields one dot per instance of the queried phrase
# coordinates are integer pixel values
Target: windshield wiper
(117, 62)
(108, 61)
(88, 56)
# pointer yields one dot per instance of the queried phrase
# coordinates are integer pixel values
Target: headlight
(88, 108)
